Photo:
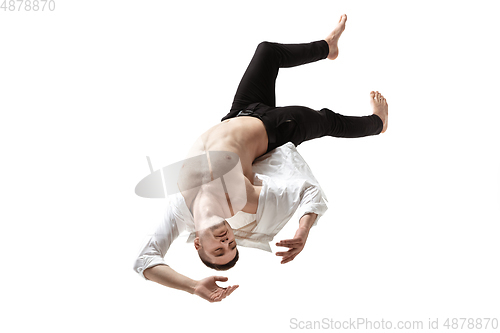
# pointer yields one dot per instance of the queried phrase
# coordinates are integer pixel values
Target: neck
(253, 193)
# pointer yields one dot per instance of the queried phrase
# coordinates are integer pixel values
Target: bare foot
(380, 107)
(333, 38)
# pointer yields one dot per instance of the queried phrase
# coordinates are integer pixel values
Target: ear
(197, 243)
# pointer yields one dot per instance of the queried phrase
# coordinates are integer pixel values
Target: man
(259, 139)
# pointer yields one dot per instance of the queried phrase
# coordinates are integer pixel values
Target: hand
(209, 290)
(295, 245)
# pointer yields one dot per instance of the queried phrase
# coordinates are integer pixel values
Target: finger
(289, 242)
(284, 261)
(286, 257)
(289, 258)
(220, 278)
(221, 293)
(233, 288)
(228, 291)
(291, 246)
(215, 297)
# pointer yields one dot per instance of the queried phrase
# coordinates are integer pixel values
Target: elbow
(138, 267)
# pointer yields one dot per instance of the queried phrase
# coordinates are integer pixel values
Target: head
(216, 246)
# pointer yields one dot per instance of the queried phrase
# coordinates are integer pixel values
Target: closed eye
(220, 254)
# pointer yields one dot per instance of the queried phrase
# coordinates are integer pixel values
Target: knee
(265, 47)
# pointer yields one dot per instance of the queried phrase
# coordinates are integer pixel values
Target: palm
(209, 290)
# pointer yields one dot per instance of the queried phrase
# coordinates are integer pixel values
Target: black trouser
(256, 97)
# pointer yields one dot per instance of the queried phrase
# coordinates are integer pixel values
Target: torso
(245, 136)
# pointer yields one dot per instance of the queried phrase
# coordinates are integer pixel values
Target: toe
(372, 94)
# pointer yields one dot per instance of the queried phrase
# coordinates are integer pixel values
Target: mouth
(223, 234)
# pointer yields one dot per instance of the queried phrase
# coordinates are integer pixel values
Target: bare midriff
(245, 136)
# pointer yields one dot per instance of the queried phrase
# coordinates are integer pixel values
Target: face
(219, 243)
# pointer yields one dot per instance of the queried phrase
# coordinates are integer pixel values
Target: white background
(90, 89)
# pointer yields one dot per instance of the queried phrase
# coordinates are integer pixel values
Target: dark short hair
(224, 267)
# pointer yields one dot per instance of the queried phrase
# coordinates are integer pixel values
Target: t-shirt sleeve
(156, 246)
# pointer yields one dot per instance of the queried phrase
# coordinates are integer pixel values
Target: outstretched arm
(166, 276)
(206, 288)
(297, 243)
(150, 264)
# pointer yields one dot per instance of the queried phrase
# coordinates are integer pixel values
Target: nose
(224, 239)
